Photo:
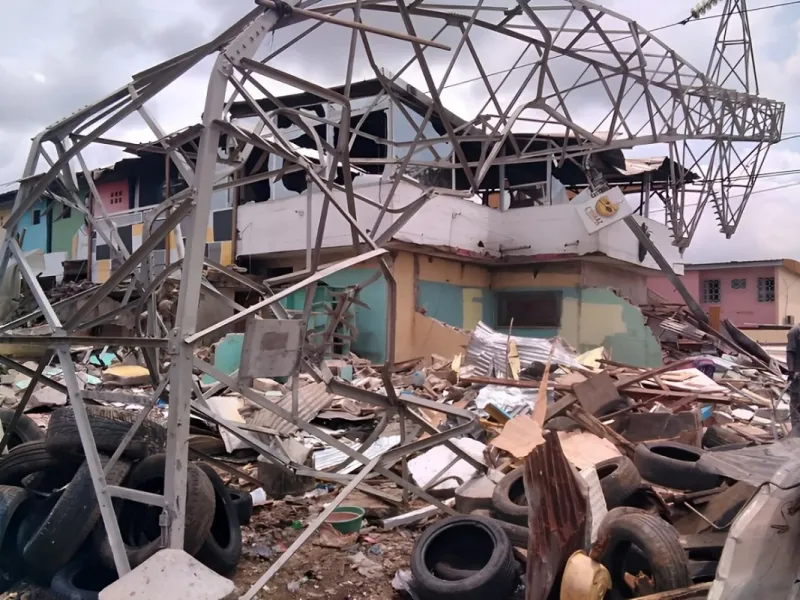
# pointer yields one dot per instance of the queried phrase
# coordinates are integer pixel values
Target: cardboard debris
(519, 436)
(585, 450)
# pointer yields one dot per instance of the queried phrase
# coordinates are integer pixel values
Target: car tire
(464, 543)
(655, 541)
(109, 426)
(619, 479)
(675, 466)
(717, 435)
(139, 523)
(14, 502)
(28, 459)
(82, 579)
(508, 499)
(26, 429)
(243, 503)
(223, 546)
(59, 537)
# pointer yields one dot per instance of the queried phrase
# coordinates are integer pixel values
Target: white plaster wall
(446, 221)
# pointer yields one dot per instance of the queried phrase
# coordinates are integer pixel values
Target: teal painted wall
(63, 230)
(370, 322)
(637, 346)
(442, 301)
(35, 235)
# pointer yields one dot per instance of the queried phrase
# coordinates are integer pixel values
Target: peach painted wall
(111, 192)
(663, 286)
(740, 306)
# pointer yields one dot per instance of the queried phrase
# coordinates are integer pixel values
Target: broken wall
(610, 321)
(434, 292)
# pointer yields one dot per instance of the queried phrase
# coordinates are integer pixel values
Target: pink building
(758, 292)
(115, 195)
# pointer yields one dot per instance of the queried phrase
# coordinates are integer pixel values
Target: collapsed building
(368, 218)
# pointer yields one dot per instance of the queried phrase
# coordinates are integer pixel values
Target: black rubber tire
(610, 407)
(721, 436)
(619, 479)
(59, 537)
(207, 444)
(703, 571)
(139, 524)
(26, 459)
(508, 499)
(26, 430)
(14, 502)
(656, 540)
(82, 579)
(561, 424)
(729, 447)
(223, 546)
(35, 514)
(674, 465)
(109, 426)
(443, 570)
(464, 543)
(243, 503)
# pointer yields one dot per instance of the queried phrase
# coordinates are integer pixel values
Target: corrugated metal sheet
(325, 459)
(311, 400)
(557, 515)
(685, 329)
(756, 465)
(487, 351)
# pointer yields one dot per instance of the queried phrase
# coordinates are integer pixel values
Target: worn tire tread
(70, 522)
(109, 426)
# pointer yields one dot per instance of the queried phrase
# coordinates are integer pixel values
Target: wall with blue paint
(35, 235)
(370, 322)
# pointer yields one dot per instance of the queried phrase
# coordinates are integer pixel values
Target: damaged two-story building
(516, 255)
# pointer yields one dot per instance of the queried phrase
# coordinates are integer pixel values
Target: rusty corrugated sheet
(557, 515)
(311, 400)
(487, 350)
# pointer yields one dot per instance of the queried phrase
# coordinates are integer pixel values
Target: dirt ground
(319, 571)
(315, 571)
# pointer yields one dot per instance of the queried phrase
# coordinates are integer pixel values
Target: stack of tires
(51, 530)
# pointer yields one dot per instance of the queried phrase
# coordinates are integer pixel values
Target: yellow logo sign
(605, 207)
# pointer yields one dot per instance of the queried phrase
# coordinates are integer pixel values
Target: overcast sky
(56, 57)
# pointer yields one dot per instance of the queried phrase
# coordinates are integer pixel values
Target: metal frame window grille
(712, 291)
(766, 289)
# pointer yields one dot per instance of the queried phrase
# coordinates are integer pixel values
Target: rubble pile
(619, 457)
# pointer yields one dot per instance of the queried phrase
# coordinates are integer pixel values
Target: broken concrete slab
(475, 494)
(46, 396)
(170, 574)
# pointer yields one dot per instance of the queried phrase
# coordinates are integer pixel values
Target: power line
(531, 64)
(772, 189)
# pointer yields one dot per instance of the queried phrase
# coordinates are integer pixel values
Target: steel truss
(647, 94)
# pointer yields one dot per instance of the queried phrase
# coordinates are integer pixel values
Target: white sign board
(601, 210)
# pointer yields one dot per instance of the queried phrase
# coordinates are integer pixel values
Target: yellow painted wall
(787, 295)
(403, 271)
(451, 271)
(4, 212)
(766, 336)
(553, 276)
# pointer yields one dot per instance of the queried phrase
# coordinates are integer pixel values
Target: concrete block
(170, 574)
(475, 494)
(265, 384)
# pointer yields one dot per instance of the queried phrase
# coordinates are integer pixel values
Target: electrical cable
(661, 28)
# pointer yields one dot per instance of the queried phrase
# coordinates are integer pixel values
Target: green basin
(346, 519)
